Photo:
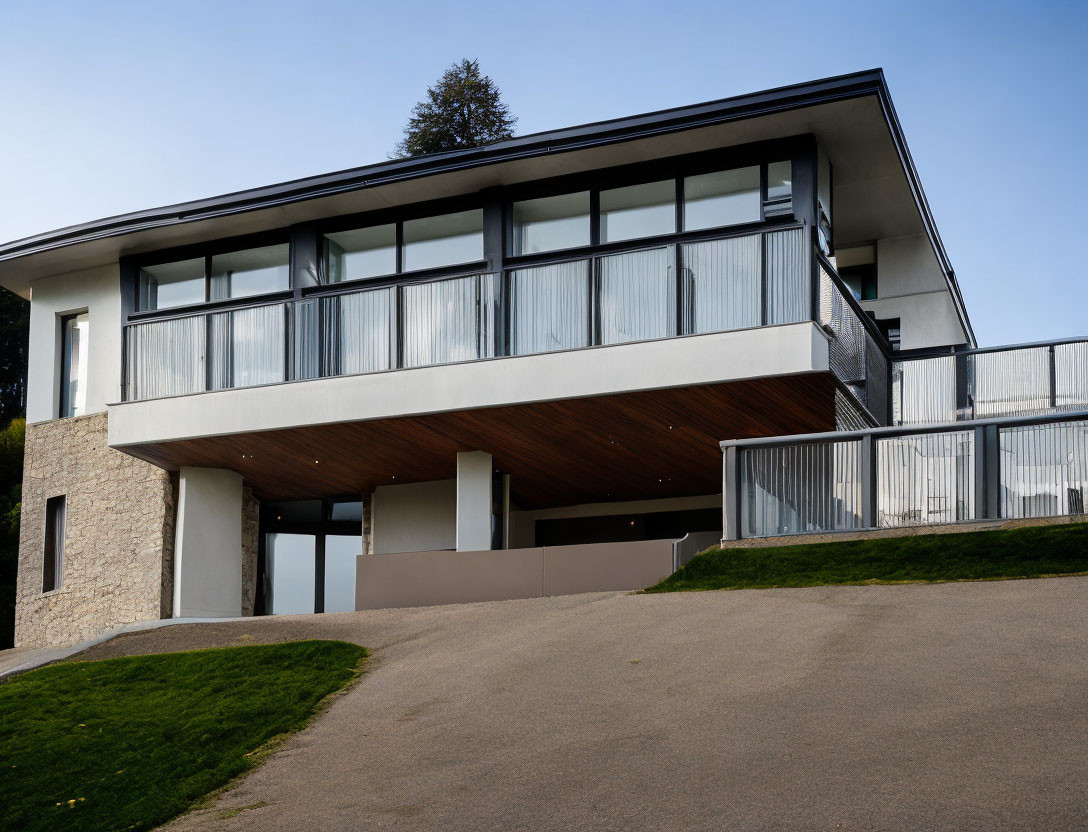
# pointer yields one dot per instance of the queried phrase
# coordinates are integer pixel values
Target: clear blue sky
(108, 107)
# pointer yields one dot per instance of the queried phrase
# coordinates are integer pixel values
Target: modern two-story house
(490, 373)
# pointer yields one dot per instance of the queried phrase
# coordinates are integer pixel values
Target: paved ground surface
(950, 706)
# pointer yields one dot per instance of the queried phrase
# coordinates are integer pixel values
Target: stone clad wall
(119, 536)
(251, 522)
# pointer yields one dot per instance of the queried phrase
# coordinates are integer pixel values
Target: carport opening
(619, 528)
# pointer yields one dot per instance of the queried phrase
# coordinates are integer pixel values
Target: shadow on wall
(12, 439)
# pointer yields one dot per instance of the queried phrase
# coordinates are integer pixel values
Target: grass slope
(129, 743)
(990, 555)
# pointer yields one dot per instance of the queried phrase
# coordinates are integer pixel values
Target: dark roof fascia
(523, 147)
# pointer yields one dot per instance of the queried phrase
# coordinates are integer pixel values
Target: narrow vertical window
(53, 555)
(73, 371)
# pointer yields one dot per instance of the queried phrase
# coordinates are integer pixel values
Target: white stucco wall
(415, 517)
(208, 546)
(911, 287)
(97, 291)
(675, 362)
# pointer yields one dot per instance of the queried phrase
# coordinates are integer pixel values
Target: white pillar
(473, 501)
(208, 544)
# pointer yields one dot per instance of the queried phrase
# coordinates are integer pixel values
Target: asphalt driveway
(950, 706)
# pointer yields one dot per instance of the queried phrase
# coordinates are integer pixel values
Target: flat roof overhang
(636, 420)
(877, 192)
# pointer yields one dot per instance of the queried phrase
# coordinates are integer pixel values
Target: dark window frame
(205, 252)
(53, 542)
(320, 529)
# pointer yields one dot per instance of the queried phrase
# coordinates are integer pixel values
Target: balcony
(691, 287)
(1034, 379)
(886, 478)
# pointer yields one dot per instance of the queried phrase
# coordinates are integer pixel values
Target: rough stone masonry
(119, 536)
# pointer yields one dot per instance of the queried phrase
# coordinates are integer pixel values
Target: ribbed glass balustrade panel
(258, 344)
(219, 328)
(549, 307)
(248, 346)
(306, 334)
(788, 280)
(1044, 469)
(165, 358)
(925, 478)
(362, 332)
(1010, 382)
(876, 381)
(924, 391)
(637, 299)
(847, 345)
(448, 320)
(1071, 376)
(795, 489)
(725, 282)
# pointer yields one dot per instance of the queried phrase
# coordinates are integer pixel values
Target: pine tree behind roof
(464, 109)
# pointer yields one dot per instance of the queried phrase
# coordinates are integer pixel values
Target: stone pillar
(474, 503)
(368, 527)
(208, 546)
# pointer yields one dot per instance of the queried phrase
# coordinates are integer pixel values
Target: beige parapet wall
(421, 579)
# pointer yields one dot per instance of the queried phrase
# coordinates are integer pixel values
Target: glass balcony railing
(899, 477)
(1035, 379)
(689, 287)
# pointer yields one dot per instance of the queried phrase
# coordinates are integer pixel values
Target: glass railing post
(991, 450)
(981, 485)
(867, 465)
(1053, 379)
(731, 494)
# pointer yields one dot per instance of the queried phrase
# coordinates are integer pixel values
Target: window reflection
(638, 211)
(362, 253)
(255, 271)
(726, 197)
(551, 223)
(444, 240)
(172, 284)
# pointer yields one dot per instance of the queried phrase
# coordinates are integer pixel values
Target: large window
(362, 253)
(310, 552)
(53, 549)
(75, 330)
(728, 197)
(236, 274)
(172, 284)
(445, 240)
(255, 271)
(638, 211)
(551, 223)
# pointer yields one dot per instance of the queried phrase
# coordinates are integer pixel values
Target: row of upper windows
(546, 224)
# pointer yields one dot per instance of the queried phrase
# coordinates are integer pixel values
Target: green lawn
(129, 743)
(991, 555)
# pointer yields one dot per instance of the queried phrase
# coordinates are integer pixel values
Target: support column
(474, 501)
(731, 498)
(208, 544)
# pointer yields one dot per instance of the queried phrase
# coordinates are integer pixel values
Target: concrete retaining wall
(421, 579)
